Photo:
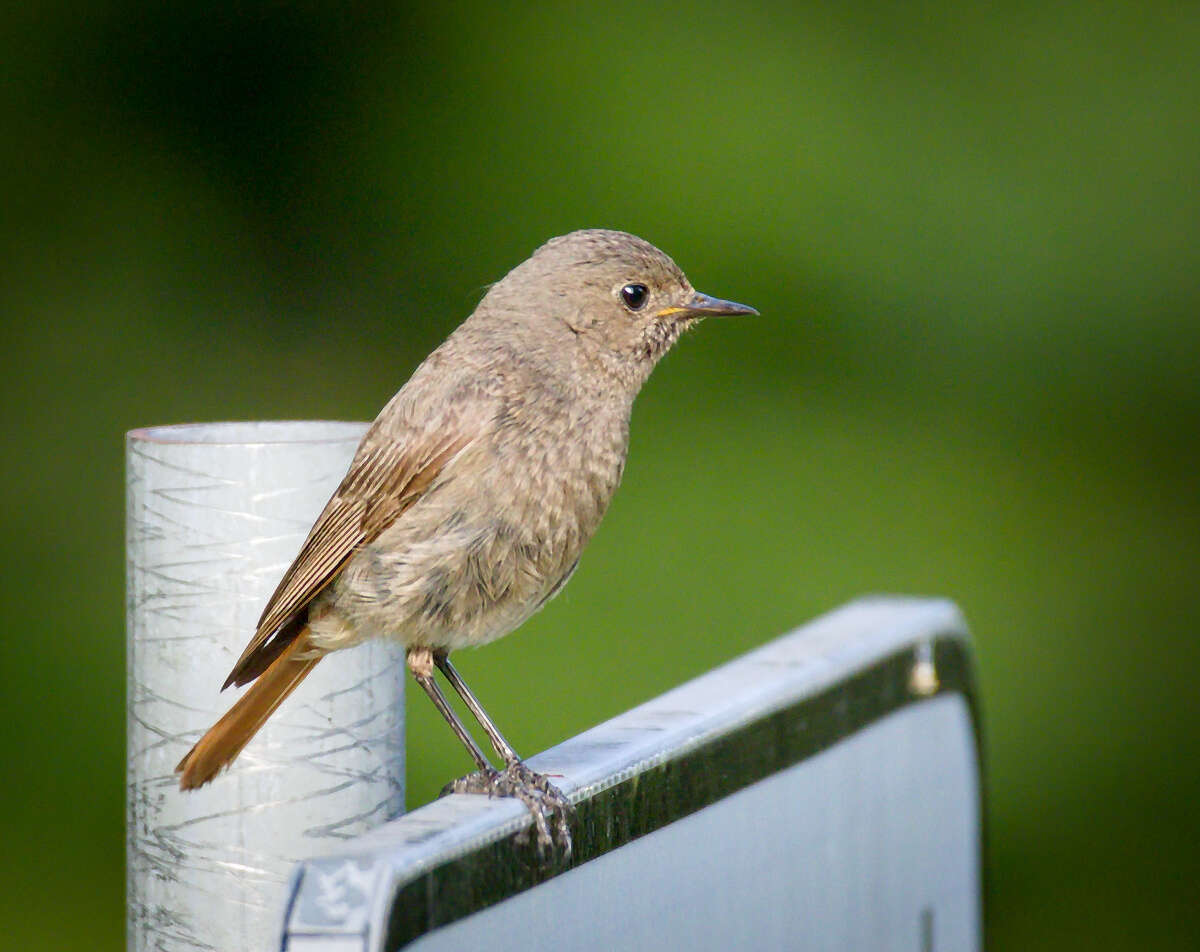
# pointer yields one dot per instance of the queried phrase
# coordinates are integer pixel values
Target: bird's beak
(701, 305)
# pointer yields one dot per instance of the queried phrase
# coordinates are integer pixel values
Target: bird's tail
(226, 738)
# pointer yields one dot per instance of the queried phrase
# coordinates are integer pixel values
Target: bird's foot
(550, 808)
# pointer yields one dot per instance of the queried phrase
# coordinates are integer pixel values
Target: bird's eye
(634, 296)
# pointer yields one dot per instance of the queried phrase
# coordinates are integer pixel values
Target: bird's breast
(489, 543)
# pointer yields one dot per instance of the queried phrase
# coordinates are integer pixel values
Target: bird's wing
(385, 478)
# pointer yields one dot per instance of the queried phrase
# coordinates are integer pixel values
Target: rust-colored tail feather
(226, 738)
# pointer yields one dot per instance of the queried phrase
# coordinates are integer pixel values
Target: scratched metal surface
(215, 513)
(820, 792)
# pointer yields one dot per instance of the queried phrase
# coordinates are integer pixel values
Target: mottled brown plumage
(472, 495)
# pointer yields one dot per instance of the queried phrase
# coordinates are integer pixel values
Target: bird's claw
(549, 807)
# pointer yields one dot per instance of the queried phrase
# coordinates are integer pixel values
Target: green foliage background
(974, 236)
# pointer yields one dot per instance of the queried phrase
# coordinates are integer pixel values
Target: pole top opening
(252, 432)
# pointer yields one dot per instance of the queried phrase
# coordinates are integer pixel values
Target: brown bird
(474, 492)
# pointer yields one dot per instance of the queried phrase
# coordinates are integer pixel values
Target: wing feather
(383, 481)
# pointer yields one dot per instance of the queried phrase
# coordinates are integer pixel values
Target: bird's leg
(502, 747)
(544, 800)
(420, 663)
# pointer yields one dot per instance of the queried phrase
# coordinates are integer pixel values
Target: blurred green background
(973, 232)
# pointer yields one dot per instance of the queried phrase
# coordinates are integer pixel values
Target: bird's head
(625, 301)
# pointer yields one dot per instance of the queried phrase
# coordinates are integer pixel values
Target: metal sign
(821, 792)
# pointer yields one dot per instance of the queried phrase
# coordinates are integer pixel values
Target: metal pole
(216, 512)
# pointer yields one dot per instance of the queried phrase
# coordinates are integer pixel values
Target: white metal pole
(216, 512)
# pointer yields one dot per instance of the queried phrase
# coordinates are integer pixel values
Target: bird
(472, 495)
